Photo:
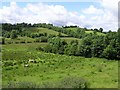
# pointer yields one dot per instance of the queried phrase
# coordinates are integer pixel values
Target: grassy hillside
(25, 63)
(51, 68)
(98, 33)
(75, 29)
(42, 30)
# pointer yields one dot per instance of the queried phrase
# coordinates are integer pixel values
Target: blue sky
(71, 6)
(84, 13)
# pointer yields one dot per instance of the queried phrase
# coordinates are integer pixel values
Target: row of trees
(91, 46)
(19, 28)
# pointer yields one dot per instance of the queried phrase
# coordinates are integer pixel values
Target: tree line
(92, 45)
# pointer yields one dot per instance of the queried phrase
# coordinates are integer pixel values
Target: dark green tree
(13, 34)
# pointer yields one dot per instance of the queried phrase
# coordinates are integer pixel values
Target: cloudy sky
(89, 14)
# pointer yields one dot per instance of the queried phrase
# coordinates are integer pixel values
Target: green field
(88, 32)
(98, 33)
(42, 30)
(51, 68)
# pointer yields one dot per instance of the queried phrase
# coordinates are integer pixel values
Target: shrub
(22, 41)
(9, 68)
(16, 42)
(37, 40)
(3, 40)
(29, 42)
(73, 82)
(10, 42)
(21, 85)
(43, 39)
(40, 48)
(8, 63)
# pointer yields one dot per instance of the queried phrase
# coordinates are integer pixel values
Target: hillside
(42, 30)
(47, 56)
(88, 31)
(51, 68)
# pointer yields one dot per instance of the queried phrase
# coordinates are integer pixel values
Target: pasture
(50, 69)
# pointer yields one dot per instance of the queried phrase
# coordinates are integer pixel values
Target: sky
(84, 13)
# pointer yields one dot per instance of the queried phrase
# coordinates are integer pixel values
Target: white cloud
(93, 10)
(90, 17)
(106, 17)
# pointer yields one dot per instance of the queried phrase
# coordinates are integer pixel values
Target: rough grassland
(100, 73)
(42, 30)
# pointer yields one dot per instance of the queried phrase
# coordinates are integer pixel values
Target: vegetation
(46, 56)
(52, 69)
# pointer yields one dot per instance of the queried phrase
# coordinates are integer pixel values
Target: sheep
(26, 65)
(31, 60)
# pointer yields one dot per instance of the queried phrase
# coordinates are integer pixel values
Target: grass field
(75, 29)
(32, 40)
(48, 69)
(51, 68)
(19, 40)
(98, 33)
(42, 30)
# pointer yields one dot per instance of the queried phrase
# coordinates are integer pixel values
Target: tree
(48, 48)
(59, 34)
(3, 40)
(110, 52)
(57, 44)
(119, 36)
(7, 35)
(13, 34)
(101, 29)
(98, 46)
(43, 39)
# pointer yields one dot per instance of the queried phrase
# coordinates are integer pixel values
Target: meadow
(49, 69)
(53, 57)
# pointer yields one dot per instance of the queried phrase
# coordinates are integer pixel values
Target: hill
(52, 68)
(88, 31)
(47, 56)
(42, 30)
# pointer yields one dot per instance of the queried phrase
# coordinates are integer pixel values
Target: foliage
(13, 34)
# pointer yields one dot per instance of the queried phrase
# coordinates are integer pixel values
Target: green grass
(98, 33)
(19, 40)
(100, 73)
(43, 30)
(22, 47)
(74, 29)
(88, 32)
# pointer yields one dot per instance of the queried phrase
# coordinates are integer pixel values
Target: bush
(43, 39)
(73, 82)
(29, 42)
(8, 63)
(22, 41)
(21, 85)
(16, 42)
(3, 40)
(40, 48)
(37, 40)
(10, 42)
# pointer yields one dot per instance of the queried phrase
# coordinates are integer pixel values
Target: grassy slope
(19, 39)
(74, 29)
(39, 30)
(98, 33)
(100, 73)
(42, 30)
